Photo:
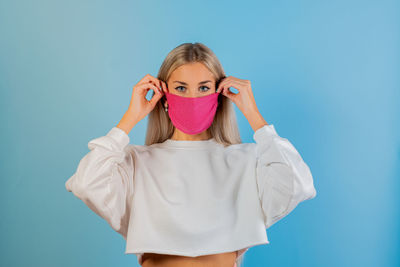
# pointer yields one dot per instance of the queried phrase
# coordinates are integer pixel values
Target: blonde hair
(224, 127)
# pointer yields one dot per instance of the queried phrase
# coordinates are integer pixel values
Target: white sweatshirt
(192, 198)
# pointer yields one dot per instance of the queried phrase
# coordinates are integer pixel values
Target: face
(191, 80)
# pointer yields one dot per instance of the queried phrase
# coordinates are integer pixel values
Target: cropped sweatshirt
(192, 198)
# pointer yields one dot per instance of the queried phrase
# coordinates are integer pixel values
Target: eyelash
(200, 87)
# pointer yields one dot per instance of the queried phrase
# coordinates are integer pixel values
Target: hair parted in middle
(224, 127)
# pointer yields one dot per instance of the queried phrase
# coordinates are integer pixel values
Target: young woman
(194, 194)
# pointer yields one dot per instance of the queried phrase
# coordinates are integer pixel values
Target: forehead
(192, 72)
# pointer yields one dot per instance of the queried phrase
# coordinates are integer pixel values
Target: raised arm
(104, 179)
(283, 178)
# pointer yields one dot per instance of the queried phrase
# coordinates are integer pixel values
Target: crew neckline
(190, 143)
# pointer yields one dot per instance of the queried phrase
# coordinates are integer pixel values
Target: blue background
(325, 73)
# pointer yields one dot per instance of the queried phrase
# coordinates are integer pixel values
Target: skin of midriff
(213, 260)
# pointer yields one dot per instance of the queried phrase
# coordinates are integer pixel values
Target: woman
(194, 194)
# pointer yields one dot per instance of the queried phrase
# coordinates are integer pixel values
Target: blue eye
(205, 87)
(179, 87)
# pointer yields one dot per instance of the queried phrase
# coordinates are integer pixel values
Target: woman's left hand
(244, 100)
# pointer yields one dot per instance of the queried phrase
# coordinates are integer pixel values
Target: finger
(226, 93)
(151, 86)
(225, 90)
(164, 86)
(149, 78)
(233, 82)
(160, 85)
(156, 97)
(156, 82)
(229, 82)
(145, 87)
(221, 84)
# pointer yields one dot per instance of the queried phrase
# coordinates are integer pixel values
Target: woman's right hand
(139, 106)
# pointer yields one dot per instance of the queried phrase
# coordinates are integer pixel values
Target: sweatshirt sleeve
(104, 179)
(283, 178)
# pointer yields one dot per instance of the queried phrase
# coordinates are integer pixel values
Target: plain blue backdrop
(325, 73)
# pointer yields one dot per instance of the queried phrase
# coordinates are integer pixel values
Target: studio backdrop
(324, 73)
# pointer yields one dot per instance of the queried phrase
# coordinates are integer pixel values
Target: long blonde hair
(224, 127)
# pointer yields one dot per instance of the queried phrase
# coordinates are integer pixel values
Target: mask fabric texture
(192, 115)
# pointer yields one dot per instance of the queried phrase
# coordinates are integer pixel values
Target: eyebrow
(186, 83)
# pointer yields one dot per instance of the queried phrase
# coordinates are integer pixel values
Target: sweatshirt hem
(242, 249)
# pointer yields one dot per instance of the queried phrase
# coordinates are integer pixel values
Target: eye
(176, 88)
(205, 87)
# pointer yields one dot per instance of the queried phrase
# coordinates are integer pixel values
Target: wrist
(255, 119)
(128, 121)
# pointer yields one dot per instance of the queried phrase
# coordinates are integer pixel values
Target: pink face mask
(192, 115)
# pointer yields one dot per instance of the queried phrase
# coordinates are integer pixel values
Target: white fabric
(192, 198)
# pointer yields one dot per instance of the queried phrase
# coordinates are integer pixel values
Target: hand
(139, 106)
(244, 100)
